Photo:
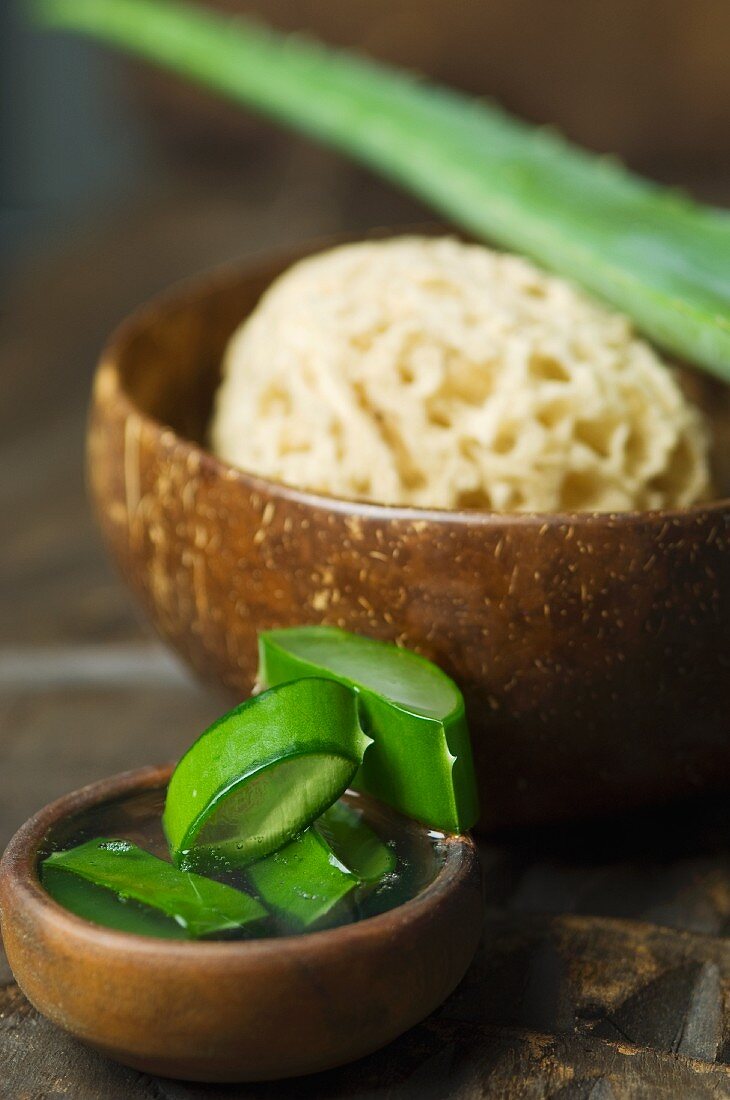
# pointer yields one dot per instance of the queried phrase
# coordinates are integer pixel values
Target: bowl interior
(61, 823)
(136, 816)
(169, 355)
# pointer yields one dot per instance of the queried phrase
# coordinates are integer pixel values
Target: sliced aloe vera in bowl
(304, 881)
(420, 761)
(102, 906)
(195, 905)
(262, 773)
(355, 844)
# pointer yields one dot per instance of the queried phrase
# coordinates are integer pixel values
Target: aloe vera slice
(420, 761)
(355, 844)
(302, 882)
(195, 906)
(102, 906)
(262, 773)
(651, 252)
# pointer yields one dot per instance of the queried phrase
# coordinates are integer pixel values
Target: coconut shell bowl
(232, 1011)
(593, 650)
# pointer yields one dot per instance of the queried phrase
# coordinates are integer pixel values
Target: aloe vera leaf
(102, 906)
(420, 760)
(302, 882)
(648, 250)
(262, 773)
(355, 844)
(197, 905)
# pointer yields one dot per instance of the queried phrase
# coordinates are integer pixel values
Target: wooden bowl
(592, 649)
(255, 1010)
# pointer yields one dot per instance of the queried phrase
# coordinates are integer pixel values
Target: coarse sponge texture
(430, 372)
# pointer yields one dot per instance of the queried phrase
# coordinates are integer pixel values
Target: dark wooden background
(605, 968)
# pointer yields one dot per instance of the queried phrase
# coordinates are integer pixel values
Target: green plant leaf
(195, 906)
(355, 844)
(650, 251)
(262, 773)
(302, 882)
(420, 760)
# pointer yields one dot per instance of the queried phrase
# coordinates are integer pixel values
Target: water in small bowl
(419, 854)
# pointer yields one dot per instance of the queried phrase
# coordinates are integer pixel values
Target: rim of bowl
(19, 869)
(188, 289)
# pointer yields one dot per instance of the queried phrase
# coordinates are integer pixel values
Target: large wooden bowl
(593, 650)
(245, 1011)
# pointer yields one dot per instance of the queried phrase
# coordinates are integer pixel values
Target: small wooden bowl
(256, 1010)
(592, 649)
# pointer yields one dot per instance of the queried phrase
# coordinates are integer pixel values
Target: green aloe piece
(420, 761)
(173, 904)
(102, 906)
(262, 773)
(304, 881)
(648, 250)
(355, 844)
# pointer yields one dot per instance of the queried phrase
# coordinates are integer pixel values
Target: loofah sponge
(430, 372)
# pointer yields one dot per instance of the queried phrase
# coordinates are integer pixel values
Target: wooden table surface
(605, 967)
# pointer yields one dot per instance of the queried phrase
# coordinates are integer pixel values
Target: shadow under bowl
(233, 1011)
(593, 650)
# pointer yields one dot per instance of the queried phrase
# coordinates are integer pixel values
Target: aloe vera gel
(257, 833)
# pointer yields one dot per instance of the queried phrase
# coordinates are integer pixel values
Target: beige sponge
(430, 372)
